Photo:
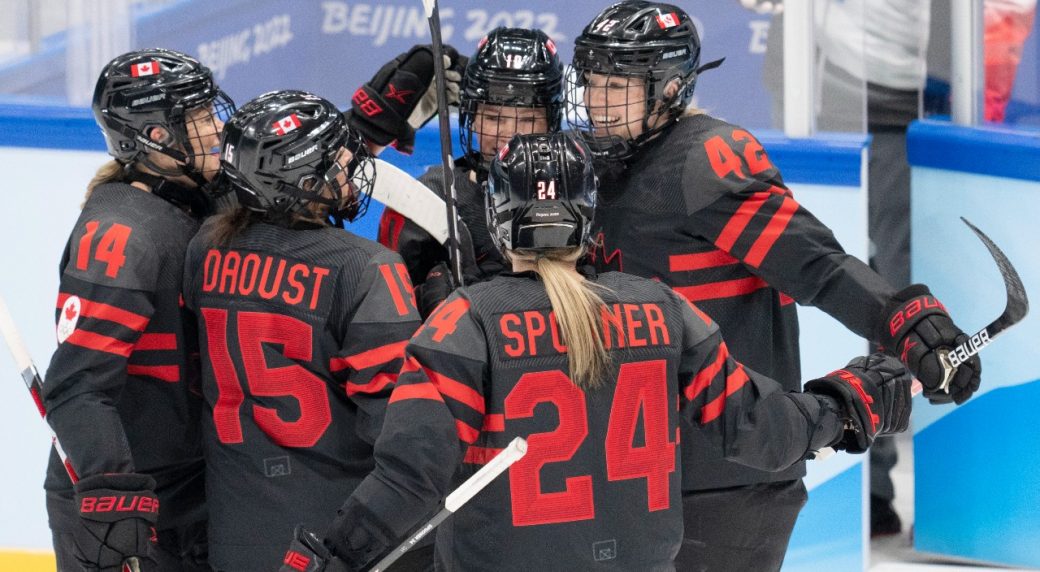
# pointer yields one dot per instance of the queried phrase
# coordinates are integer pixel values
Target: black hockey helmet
(141, 90)
(513, 67)
(654, 42)
(279, 154)
(541, 193)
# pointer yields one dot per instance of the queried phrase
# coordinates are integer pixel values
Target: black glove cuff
(905, 309)
(114, 497)
(829, 429)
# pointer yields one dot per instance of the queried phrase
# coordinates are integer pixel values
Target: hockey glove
(117, 520)
(402, 96)
(435, 289)
(874, 393)
(918, 329)
(308, 554)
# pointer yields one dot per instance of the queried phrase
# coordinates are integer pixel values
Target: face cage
(358, 189)
(194, 154)
(470, 136)
(618, 136)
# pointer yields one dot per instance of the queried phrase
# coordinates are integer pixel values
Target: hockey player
(695, 202)
(124, 363)
(597, 373)
(512, 84)
(302, 325)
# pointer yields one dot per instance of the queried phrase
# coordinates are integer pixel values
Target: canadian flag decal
(286, 124)
(551, 46)
(668, 20)
(144, 68)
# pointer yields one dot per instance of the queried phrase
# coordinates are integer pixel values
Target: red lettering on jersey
(296, 561)
(269, 293)
(535, 323)
(722, 158)
(109, 250)
(319, 275)
(504, 324)
(557, 341)
(250, 269)
(234, 274)
(210, 270)
(295, 283)
(655, 323)
(446, 318)
(232, 260)
(610, 320)
(633, 324)
(754, 154)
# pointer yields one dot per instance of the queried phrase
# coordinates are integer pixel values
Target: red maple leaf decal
(398, 94)
(70, 312)
(605, 262)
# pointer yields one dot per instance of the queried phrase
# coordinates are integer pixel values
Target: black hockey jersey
(302, 334)
(703, 210)
(599, 487)
(122, 388)
(421, 252)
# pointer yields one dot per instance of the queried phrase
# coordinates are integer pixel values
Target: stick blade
(1017, 300)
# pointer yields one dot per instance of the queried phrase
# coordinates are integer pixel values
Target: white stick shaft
(516, 449)
(460, 496)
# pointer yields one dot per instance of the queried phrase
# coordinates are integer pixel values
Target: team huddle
(243, 384)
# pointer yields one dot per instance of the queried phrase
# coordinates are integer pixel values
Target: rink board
(977, 466)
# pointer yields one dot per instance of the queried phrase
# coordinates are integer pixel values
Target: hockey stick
(34, 384)
(516, 449)
(403, 193)
(454, 250)
(1015, 309)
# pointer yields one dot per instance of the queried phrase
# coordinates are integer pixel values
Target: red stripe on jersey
(378, 382)
(156, 342)
(724, 289)
(169, 373)
(704, 377)
(390, 226)
(785, 299)
(456, 390)
(395, 290)
(734, 381)
(699, 261)
(72, 472)
(740, 219)
(101, 311)
(772, 232)
(416, 391)
(369, 358)
(98, 342)
(466, 431)
(480, 455)
(494, 422)
(410, 364)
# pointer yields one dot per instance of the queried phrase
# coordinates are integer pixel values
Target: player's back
(292, 414)
(599, 486)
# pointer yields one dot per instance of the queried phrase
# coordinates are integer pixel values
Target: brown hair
(228, 224)
(577, 305)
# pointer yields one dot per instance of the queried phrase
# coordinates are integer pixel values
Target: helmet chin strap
(195, 200)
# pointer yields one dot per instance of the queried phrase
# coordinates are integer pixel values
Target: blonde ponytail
(577, 306)
(110, 172)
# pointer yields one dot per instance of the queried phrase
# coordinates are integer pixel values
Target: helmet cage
(128, 108)
(513, 69)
